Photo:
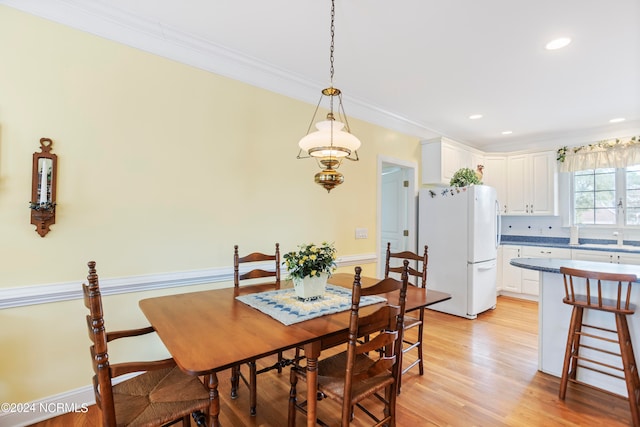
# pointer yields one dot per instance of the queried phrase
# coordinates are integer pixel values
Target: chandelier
(332, 141)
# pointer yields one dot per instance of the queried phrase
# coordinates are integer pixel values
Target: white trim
(345, 261)
(56, 292)
(517, 295)
(412, 205)
(106, 21)
(52, 406)
(49, 407)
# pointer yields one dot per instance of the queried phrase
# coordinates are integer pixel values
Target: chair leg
(629, 365)
(280, 357)
(199, 417)
(291, 416)
(420, 335)
(392, 406)
(235, 379)
(400, 373)
(253, 388)
(570, 365)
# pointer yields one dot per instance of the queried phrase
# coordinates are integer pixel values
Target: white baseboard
(27, 413)
(519, 295)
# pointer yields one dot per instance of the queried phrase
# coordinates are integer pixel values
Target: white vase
(308, 288)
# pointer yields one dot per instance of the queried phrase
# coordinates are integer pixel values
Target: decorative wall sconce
(43, 188)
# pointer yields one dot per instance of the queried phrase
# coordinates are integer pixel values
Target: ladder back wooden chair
(587, 342)
(418, 279)
(256, 263)
(365, 370)
(162, 394)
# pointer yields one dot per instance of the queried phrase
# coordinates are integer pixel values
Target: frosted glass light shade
(319, 143)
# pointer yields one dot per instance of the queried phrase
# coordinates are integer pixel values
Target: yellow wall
(162, 167)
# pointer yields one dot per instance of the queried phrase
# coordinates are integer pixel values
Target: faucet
(620, 237)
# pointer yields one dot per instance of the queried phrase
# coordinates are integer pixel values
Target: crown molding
(101, 19)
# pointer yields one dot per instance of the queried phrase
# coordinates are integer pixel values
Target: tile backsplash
(551, 226)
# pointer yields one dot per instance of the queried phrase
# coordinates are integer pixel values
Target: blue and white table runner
(284, 306)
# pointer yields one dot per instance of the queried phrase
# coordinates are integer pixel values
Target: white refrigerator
(461, 226)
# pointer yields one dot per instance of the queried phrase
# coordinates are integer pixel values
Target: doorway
(397, 207)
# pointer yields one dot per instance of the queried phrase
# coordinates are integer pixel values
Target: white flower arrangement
(311, 260)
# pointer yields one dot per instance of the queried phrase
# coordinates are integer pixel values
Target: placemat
(284, 306)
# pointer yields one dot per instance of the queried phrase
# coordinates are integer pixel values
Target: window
(632, 199)
(607, 196)
(594, 197)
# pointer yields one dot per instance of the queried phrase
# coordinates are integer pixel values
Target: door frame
(410, 169)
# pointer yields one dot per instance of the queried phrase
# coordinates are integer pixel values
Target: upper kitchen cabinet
(495, 175)
(532, 184)
(441, 158)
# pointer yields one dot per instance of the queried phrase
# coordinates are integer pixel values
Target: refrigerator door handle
(498, 225)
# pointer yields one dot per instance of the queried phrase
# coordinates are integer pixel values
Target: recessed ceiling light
(617, 120)
(507, 132)
(475, 116)
(558, 43)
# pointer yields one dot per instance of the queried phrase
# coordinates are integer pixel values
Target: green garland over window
(606, 144)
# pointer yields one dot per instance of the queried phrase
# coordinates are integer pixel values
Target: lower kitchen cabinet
(606, 256)
(531, 278)
(511, 276)
(518, 282)
(524, 283)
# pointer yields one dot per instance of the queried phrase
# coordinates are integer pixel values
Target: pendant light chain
(331, 69)
(333, 31)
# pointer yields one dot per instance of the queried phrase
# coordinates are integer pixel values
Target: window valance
(612, 153)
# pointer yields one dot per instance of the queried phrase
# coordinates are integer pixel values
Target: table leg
(214, 399)
(312, 352)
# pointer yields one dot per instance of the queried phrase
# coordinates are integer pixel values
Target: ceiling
(421, 67)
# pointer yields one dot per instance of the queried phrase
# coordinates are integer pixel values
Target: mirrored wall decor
(43, 188)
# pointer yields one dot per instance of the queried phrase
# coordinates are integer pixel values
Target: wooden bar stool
(607, 292)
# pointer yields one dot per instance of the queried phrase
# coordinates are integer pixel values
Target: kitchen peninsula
(554, 316)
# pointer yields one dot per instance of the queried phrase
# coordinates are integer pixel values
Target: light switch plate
(362, 233)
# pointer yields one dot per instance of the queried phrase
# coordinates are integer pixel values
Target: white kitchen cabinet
(511, 275)
(532, 184)
(628, 258)
(525, 282)
(585, 255)
(495, 175)
(531, 278)
(606, 256)
(442, 158)
(545, 252)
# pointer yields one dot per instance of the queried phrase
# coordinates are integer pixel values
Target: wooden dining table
(210, 331)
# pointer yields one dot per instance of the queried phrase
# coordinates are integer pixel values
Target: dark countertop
(563, 242)
(552, 265)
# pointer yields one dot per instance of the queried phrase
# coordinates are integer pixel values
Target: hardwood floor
(477, 373)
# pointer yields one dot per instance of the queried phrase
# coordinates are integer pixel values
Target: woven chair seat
(331, 377)
(158, 397)
(410, 322)
(160, 394)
